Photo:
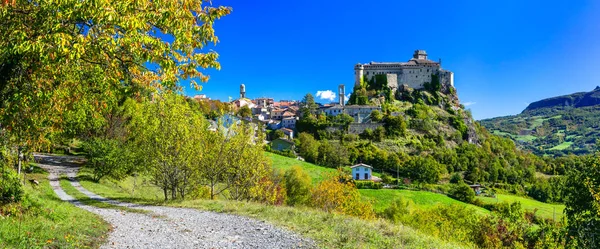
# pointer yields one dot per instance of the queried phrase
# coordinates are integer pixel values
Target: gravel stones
(169, 227)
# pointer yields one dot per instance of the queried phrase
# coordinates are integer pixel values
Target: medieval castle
(413, 73)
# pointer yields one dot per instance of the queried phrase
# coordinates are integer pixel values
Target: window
(366, 176)
(357, 177)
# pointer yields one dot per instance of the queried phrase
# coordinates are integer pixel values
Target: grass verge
(48, 222)
(328, 230)
(65, 184)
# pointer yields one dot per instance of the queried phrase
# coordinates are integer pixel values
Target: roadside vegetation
(41, 220)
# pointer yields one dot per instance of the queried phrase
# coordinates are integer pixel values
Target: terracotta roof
(288, 114)
(286, 129)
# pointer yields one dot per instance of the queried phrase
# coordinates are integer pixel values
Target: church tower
(342, 93)
(242, 91)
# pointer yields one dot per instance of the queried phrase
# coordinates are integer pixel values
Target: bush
(297, 185)
(368, 185)
(397, 210)
(107, 158)
(336, 196)
(11, 189)
(456, 178)
(462, 192)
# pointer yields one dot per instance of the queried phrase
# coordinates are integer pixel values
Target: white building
(361, 171)
(289, 123)
(413, 73)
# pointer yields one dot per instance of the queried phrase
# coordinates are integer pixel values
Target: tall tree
(582, 201)
(70, 61)
(168, 135)
(308, 105)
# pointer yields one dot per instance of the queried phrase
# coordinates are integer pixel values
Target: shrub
(11, 189)
(462, 192)
(297, 185)
(107, 158)
(397, 210)
(335, 195)
(269, 190)
(368, 185)
(456, 178)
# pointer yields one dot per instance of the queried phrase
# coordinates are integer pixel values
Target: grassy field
(50, 222)
(316, 173)
(545, 210)
(562, 146)
(382, 198)
(328, 230)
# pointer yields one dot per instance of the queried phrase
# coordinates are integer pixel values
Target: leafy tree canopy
(72, 60)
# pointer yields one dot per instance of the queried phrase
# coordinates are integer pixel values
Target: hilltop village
(284, 114)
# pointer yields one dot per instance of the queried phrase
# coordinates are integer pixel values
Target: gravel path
(168, 227)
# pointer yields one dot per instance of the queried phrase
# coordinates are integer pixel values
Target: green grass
(562, 146)
(51, 222)
(328, 230)
(131, 189)
(545, 210)
(65, 184)
(316, 173)
(525, 138)
(382, 198)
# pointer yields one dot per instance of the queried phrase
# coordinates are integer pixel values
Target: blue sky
(504, 54)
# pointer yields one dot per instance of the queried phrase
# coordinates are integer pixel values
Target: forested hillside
(555, 126)
(426, 136)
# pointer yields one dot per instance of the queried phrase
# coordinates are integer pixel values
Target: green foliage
(41, 220)
(397, 210)
(547, 190)
(332, 155)
(244, 112)
(395, 126)
(308, 105)
(582, 200)
(277, 134)
(456, 178)
(168, 135)
(309, 147)
(423, 169)
(66, 64)
(554, 129)
(462, 192)
(108, 158)
(11, 189)
(376, 116)
(298, 186)
(368, 185)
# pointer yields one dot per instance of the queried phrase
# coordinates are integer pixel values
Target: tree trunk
(165, 192)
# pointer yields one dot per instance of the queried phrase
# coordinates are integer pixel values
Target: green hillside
(556, 126)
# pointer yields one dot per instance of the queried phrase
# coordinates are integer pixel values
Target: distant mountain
(554, 126)
(581, 99)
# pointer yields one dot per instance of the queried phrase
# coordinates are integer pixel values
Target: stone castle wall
(355, 128)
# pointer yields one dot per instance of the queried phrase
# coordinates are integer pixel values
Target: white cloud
(469, 103)
(327, 94)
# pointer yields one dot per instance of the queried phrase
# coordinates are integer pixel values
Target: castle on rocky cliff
(413, 73)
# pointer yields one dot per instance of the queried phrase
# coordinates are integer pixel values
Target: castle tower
(342, 93)
(242, 91)
(358, 74)
(420, 55)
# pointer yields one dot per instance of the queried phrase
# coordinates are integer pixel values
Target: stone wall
(355, 128)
